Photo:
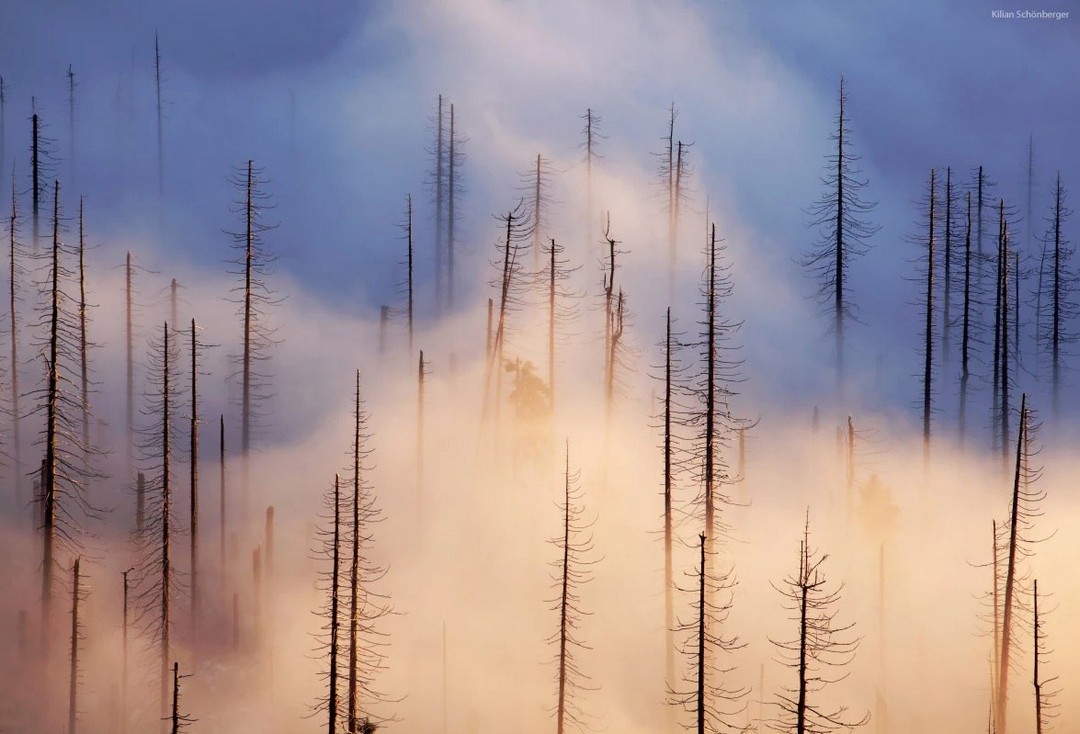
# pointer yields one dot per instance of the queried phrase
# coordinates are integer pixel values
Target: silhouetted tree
(255, 299)
(438, 184)
(930, 202)
(178, 721)
(966, 325)
(155, 570)
(949, 256)
(1057, 299)
(561, 306)
(1024, 509)
(707, 697)
(593, 135)
(196, 348)
(844, 231)
(77, 595)
(407, 285)
(330, 542)
(421, 374)
(160, 116)
(1045, 705)
(71, 119)
(574, 568)
(455, 158)
(124, 656)
(15, 271)
(818, 653)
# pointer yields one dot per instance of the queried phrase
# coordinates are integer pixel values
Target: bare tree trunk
(130, 346)
(946, 319)
(157, 87)
(166, 523)
(13, 313)
(965, 338)
(669, 573)
(710, 394)
(838, 286)
(84, 364)
(450, 185)
(49, 470)
(221, 485)
(35, 175)
(804, 631)
(193, 460)
(1035, 656)
(174, 301)
(440, 195)
(335, 585)
(1055, 328)
(73, 681)
(354, 572)
(176, 698)
(409, 282)
(249, 262)
(420, 434)
(1010, 578)
(124, 661)
(701, 631)
(564, 600)
(551, 325)
(928, 344)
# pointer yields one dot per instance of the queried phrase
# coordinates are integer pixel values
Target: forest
(555, 439)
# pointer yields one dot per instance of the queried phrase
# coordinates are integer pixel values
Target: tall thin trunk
(73, 680)
(354, 571)
(249, 315)
(221, 486)
(1004, 277)
(129, 405)
(1010, 575)
(551, 326)
(193, 460)
(965, 337)
(166, 521)
(946, 320)
(84, 363)
(673, 255)
(838, 296)
(669, 572)
(52, 429)
(701, 632)
(35, 176)
(928, 344)
(710, 393)
(1056, 316)
(440, 195)
(160, 116)
(335, 586)
(804, 631)
(16, 414)
(174, 301)
(996, 601)
(451, 166)
(995, 406)
(124, 660)
(409, 282)
(71, 119)
(538, 212)
(588, 172)
(1035, 656)
(564, 602)
(3, 118)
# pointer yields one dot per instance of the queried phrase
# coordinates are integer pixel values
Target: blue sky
(334, 98)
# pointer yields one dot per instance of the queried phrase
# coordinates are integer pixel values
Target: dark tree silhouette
(124, 655)
(422, 372)
(253, 265)
(178, 721)
(407, 284)
(438, 185)
(537, 185)
(222, 505)
(196, 348)
(706, 696)
(1019, 545)
(65, 469)
(927, 261)
(593, 135)
(1057, 302)
(15, 271)
(72, 84)
(574, 570)
(157, 581)
(818, 653)
(160, 116)
(329, 636)
(1045, 703)
(966, 326)
(844, 232)
(561, 306)
(78, 593)
(455, 158)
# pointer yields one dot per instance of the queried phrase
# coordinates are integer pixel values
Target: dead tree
(253, 265)
(712, 388)
(329, 635)
(155, 571)
(84, 357)
(78, 593)
(160, 116)
(819, 652)
(1045, 704)
(561, 306)
(844, 232)
(455, 158)
(366, 605)
(438, 185)
(705, 696)
(593, 135)
(124, 656)
(129, 406)
(1058, 300)
(537, 185)
(510, 285)
(222, 524)
(674, 377)
(966, 326)
(3, 123)
(667, 173)
(928, 260)
(65, 469)
(15, 255)
(71, 119)
(177, 720)
(948, 262)
(1024, 509)
(574, 568)
(196, 348)
(407, 285)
